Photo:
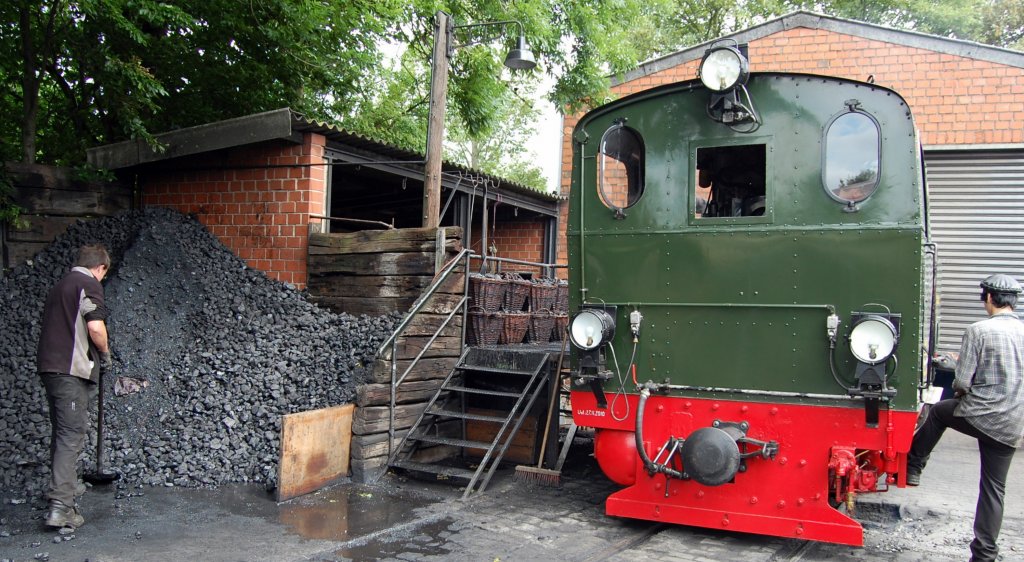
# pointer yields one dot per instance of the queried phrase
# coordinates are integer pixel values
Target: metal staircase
(449, 403)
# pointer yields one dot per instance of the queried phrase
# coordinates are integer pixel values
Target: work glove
(106, 363)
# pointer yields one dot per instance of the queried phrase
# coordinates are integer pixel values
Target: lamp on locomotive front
(590, 331)
(724, 70)
(873, 340)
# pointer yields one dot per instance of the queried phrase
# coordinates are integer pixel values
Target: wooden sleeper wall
(377, 272)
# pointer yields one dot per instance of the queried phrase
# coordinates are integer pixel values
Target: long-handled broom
(536, 474)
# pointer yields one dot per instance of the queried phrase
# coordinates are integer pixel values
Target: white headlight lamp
(591, 328)
(723, 68)
(873, 339)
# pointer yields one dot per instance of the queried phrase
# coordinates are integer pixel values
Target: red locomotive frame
(826, 455)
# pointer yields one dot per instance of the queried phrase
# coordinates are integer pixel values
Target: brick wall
(256, 199)
(955, 100)
(518, 240)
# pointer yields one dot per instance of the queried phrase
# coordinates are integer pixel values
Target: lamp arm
(503, 23)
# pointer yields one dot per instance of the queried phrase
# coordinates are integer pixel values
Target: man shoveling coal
(73, 348)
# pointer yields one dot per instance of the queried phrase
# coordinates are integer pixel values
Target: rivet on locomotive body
(781, 504)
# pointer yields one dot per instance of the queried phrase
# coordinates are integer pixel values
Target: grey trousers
(69, 399)
(995, 464)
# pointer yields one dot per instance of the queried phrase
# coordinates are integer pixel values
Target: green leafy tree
(85, 72)
(96, 71)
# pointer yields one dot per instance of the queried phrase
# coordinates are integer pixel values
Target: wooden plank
(398, 235)
(375, 419)
(314, 450)
(39, 228)
(367, 470)
(444, 346)
(374, 445)
(524, 442)
(45, 201)
(427, 325)
(369, 306)
(380, 394)
(433, 368)
(411, 263)
(373, 247)
(20, 252)
(368, 285)
(340, 285)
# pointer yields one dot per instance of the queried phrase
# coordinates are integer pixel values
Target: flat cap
(1001, 283)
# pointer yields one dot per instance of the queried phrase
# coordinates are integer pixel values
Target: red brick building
(968, 103)
(262, 183)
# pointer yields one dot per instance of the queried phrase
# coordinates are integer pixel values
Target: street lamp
(519, 58)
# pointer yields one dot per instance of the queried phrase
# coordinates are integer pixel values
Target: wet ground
(407, 519)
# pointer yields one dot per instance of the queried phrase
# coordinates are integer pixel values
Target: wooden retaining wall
(51, 199)
(377, 272)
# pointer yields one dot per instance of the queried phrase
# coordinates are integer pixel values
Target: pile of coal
(208, 355)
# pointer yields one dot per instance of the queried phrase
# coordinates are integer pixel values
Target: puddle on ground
(429, 539)
(348, 511)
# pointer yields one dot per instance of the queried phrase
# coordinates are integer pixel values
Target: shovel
(100, 476)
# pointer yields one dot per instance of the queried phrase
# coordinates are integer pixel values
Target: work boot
(913, 477)
(61, 515)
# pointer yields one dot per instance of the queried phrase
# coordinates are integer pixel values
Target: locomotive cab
(750, 272)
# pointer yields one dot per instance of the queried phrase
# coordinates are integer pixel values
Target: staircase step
(452, 441)
(438, 469)
(483, 391)
(466, 416)
(482, 369)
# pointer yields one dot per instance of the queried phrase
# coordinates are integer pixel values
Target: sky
(547, 142)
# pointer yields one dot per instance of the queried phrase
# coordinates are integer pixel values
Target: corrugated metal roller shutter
(977, 219)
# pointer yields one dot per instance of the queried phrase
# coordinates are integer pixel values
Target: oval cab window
(620, 167)
(852, 157)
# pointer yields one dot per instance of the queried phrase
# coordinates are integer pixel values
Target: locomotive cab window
(620, 167)
(852, 158)
(730, 181)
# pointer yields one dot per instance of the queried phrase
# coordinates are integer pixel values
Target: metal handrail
(392, 341)
(420, 302)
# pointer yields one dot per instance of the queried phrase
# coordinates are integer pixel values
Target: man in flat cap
(989, 406)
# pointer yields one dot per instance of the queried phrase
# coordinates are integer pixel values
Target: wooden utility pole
(435, 122)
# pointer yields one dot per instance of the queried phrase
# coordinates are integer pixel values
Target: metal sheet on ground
(314, 450)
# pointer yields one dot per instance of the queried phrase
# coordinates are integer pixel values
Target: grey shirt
(991, 371)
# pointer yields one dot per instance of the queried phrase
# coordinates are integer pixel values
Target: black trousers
(69, 399)
(995, 464)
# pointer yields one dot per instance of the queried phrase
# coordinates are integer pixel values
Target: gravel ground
(208, 354)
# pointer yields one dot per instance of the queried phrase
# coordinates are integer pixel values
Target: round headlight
(873, 339)
(723, 68)
(591, 328)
